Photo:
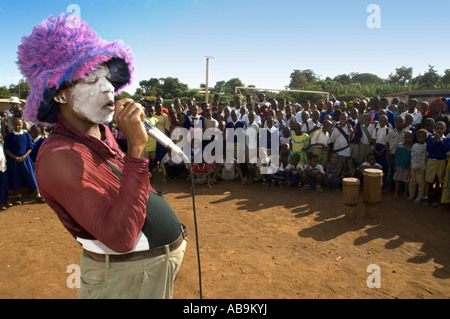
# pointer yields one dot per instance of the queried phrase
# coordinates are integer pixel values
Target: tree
(172, 87)
(429, 79)
(366, 78)
(343, 79)
(166, 87)
(218, 88)
(402, 76)
(150, 87)
(301, 78)
(445, 79)
(22, 89)
(4, 92)
(231, 84)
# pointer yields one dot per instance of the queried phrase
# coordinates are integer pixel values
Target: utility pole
(207, 78)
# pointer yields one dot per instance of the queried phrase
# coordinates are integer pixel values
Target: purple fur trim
(64, 49)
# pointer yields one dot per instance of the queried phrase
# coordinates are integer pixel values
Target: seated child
(172, 167)
(349, 169)
(202, 174)
(294, 171)
(371, 162)
(277, 178)
(228, 172)
(333, 172)
(313, 174)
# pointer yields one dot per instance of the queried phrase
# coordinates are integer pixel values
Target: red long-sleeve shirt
(89, 199)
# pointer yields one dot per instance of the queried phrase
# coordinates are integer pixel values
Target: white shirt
(308, 126)
(364, 139)
(417, 116)
(290, 166)
(379, 134)
(246, 120)
(320, 137)
(318, 167)
(340, 142)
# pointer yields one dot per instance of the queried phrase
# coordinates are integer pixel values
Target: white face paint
(93, 97)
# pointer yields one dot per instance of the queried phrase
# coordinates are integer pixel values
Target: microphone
(164, 140)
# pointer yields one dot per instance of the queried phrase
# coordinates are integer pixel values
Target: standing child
(379, 135)
(18, 146)
(364, 130)
(393, 139)
(333, 172)
(437, 147)
(300, 143)
(38, 139)
(285, 138)
(320, 140)
(341, 136)
(402, 161)
(313, 175)
(418, 166)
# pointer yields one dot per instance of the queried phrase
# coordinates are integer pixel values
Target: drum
(373, 183)
(350, 189)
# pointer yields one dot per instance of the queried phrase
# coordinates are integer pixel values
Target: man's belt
(139, 255)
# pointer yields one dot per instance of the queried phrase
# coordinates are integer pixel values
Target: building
(421, 95)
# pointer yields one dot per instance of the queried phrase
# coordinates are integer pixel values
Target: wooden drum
(350, 189)
(373, 183)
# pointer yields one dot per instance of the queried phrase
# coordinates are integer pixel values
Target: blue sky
(259, 41)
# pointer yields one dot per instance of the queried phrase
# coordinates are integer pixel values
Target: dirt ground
(256, 242)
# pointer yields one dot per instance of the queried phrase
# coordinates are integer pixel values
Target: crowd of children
(321, 143)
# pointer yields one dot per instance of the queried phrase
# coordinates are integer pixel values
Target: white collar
(18, 133)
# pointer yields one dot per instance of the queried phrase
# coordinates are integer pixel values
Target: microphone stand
(195, 224)
(167, 142)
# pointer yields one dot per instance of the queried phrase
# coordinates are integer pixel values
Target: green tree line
(341, 87)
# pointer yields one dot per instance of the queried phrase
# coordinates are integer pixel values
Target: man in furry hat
(133, 243)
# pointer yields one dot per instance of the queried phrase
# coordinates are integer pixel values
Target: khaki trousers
(417, 182)
(150, 278)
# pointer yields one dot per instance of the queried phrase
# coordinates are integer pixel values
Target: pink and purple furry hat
(63, 50)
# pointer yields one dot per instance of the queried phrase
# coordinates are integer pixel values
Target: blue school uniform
(36, 145)
(20, 175)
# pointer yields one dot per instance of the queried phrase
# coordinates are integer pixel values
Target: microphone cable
(196, 229)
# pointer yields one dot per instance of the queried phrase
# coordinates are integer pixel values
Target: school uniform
(341, 142)
(379, 134)
(437, 155)
(321, 137)
(365, 142)
(355, 141)
(293, 176)
(20, 175)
